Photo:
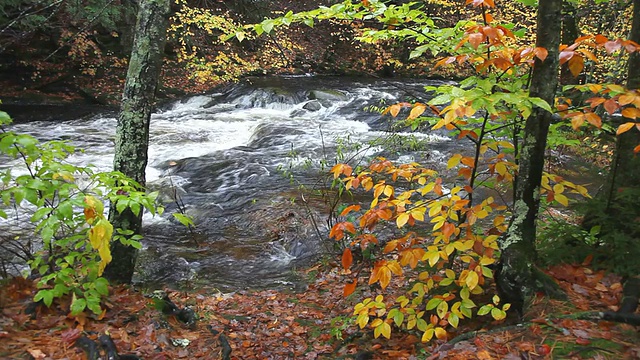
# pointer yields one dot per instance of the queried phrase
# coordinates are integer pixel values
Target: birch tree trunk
(132, 132)
(516, 276)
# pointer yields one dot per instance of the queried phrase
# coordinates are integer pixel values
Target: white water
(226, 157)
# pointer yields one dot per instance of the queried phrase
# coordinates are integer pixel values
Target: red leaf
(347, 258)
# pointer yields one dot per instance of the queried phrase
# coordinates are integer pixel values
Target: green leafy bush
(65, 205)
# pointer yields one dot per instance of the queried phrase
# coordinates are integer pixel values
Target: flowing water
(224, 155)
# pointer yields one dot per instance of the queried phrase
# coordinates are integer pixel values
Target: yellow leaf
(363, 320)
(383, 329)
(418, 213)
(453, 161)
(428, 335)
(471, 280)
(402, 219)
(441, 333)
(561, 199)
(558, 188)
(100, 238)
(501, 168)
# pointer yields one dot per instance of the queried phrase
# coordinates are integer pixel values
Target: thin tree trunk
(132, 132)
(570, 33)
(516, 276)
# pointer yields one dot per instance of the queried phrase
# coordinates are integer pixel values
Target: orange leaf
(445, 61)
(576, 64)
(625, 127)
(631, 113)
(541, 53)
(626, 99)
(349, 209)
(347, 258)
(611, 106)
(475, 39)
(468, 161)
(601, 39)
(417, 111)
(344, 169)
(349, 288)
(636, 149)
(395, 109)
(593, 119)
(448, 229)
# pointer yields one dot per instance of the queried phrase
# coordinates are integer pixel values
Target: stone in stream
(313, 105)
(328, 95)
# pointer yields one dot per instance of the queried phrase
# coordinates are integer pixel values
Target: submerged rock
(328, 95)
(313, 105)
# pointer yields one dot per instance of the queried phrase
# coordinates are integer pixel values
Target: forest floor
(270, 324)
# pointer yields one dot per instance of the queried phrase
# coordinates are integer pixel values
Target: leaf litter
(271, 324)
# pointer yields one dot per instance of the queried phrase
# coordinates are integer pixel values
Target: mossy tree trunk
(516, 276)
(132, 132)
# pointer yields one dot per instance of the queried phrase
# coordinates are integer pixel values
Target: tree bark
(570, 33)
(132, 132)
(516, 275)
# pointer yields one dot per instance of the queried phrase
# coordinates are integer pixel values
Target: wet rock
(327, 95)
(313, 105)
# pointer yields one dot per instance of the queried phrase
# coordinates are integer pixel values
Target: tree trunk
(132, 132)
(570, 33)
(516, 276)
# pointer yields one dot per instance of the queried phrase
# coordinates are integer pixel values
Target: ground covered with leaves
(272, 324)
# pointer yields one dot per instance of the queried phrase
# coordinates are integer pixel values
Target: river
(237, 159)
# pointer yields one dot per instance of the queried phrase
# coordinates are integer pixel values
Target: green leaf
(267, 25)
(183, 219)
(440, 99)
(135, 207)
(433, 303)
(40, 213)
(540, 103)
(45, 295)
(5, 119)
(421, 324)
(102, 286)
(485, 309)
(453, 320)
(78, 306)
(121, 205)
